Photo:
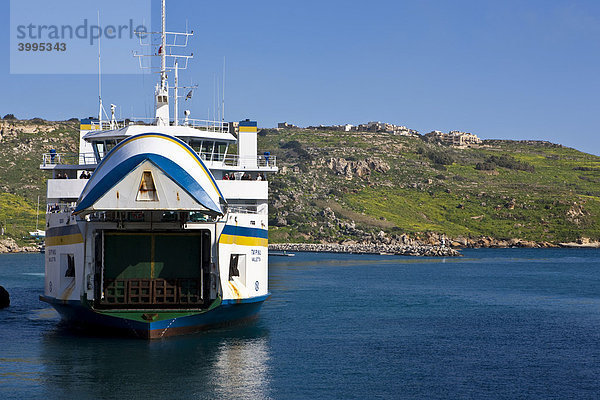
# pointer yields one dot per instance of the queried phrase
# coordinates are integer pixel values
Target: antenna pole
(215, 97)
(176, 95)
(163, 58)
(99, 79)
(223, 99)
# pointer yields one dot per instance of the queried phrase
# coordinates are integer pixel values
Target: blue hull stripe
(243, 231)
(63, 230)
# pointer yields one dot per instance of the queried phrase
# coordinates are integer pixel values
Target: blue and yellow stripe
(248, 126)
(63, 235)
(86, 124)
(244, 236)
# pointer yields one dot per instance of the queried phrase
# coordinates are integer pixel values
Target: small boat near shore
(281, 254)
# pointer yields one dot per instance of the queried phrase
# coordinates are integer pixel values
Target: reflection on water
(226, 363)
(43, 314)
(241, 369)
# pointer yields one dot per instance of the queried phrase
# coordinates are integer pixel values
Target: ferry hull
(171, 323)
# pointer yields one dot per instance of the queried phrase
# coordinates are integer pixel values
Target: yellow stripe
(64, 240)
(87, 127)
(243, 240)
(248, 129)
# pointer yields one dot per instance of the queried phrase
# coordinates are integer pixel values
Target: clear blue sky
(526, 69)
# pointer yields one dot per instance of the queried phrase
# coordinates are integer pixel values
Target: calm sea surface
(503, 324)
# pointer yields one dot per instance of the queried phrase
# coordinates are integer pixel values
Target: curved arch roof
(172, 156)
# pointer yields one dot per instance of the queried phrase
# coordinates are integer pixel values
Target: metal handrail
(233, 160)
(237, 209)
(215, 159)
(205, 124)
(68, 159)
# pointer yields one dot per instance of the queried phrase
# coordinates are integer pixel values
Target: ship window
(220, 149)
(237, 267)
(70, 272)
(233, 266)
(147, 190)
(207, 150)
(196, 145)
(110, 144)
(99, 150)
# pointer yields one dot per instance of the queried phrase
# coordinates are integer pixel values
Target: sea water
(502, 324)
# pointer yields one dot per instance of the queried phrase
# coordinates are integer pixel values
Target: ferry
(156, 228)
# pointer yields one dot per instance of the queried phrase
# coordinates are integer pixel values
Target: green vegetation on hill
(17, 214)
(503, 189)
(22, 145)
(348, 186)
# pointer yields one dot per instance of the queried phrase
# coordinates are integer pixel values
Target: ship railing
(52, 208)
(210, 126)
(233, 160)
(243, 209)
(107, 125)
(202, 124)
(68, 159)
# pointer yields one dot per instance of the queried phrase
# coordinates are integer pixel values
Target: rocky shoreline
(402, 250)
(432, 246)
(10, 246)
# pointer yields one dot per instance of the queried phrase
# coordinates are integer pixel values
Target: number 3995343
(58, 46)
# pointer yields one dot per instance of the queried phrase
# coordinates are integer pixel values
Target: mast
(176, 95)
(163, 58)
(161, 98)
(99, 79)
(223, 98)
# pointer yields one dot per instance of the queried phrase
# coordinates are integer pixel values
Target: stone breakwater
(401, 250)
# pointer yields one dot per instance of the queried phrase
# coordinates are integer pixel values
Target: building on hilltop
(344, 128)
(285, 125)
(234, 128)
(454, 138)
(368, 127)
(387, 128)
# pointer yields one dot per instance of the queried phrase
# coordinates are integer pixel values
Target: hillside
(338, 186)
(21, 180)
(349, 187)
